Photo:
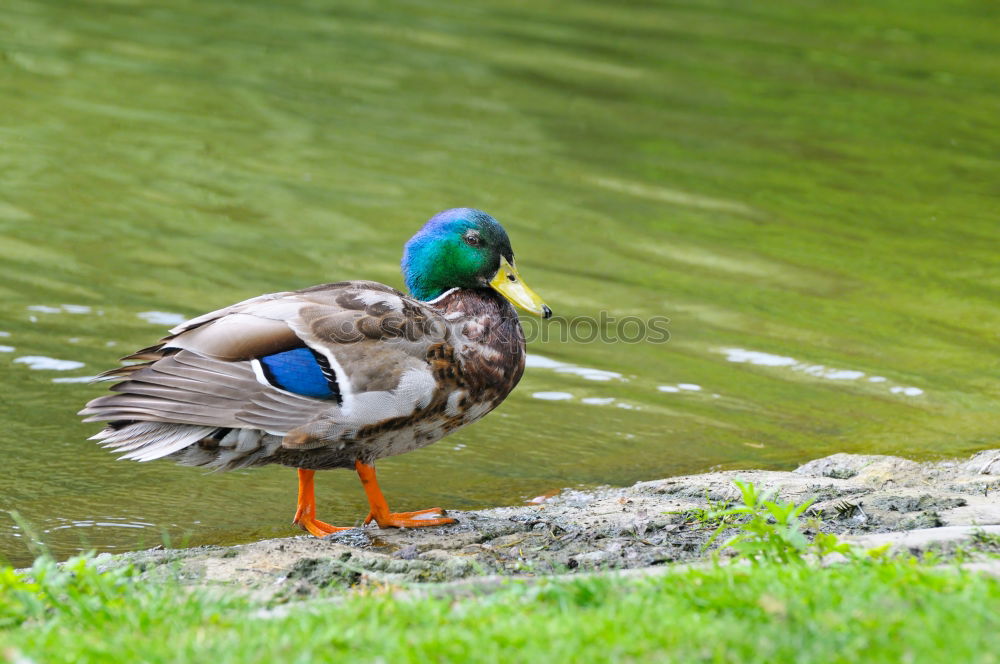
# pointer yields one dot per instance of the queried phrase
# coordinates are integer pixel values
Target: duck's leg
(305, 515)
(380, 509)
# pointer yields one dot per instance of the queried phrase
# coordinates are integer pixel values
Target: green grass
(889, 610)
(779, 608)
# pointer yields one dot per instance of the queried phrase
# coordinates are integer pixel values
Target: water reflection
(42, 363)
(162, 317)
(61, 309)
(98, 522)
(533, 361)
(743, 356)
(552, 396)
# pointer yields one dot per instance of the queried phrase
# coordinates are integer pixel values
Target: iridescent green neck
(439, 266)
(458, 248)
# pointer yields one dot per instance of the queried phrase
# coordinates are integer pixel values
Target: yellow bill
(508, 283)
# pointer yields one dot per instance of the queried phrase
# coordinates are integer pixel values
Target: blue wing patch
(301, 371)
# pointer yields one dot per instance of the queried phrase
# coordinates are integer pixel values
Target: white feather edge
(258, 372)
(442, 296)
(347, 396)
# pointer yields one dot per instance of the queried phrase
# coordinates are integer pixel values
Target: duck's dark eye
(472, 238)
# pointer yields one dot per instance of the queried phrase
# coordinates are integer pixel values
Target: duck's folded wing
(232, 369)
(187, 388)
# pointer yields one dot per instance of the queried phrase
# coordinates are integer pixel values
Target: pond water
(808, 197)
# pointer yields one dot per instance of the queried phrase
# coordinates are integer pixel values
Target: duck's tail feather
(145, 441)
(189, 444)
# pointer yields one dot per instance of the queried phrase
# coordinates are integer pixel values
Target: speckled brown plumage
(412, 372)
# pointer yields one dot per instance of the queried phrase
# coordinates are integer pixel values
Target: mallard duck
(337, 375)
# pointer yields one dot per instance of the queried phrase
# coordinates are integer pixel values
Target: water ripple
(162, 317)
(759, 358)
(42, 363)
(533, 361)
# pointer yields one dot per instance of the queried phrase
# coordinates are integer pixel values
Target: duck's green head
(465, 248)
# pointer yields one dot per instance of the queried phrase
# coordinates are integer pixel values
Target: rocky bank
(872, 500)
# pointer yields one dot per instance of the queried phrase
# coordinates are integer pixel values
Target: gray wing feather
(185, 388)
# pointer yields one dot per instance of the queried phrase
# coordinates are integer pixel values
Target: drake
(337, 375)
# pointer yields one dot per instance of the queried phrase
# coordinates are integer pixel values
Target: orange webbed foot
(316, 527)
(434, 516)
(306, 519)
(305, 514)
(380, 513)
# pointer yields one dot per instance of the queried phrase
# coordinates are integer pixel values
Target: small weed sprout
(770, 531)
(710, 516)
(984, 539)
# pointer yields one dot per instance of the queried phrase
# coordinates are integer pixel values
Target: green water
(813, 181)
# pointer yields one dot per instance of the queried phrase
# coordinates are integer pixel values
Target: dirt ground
(870, 499)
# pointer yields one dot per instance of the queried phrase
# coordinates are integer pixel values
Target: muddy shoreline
(870, 499)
